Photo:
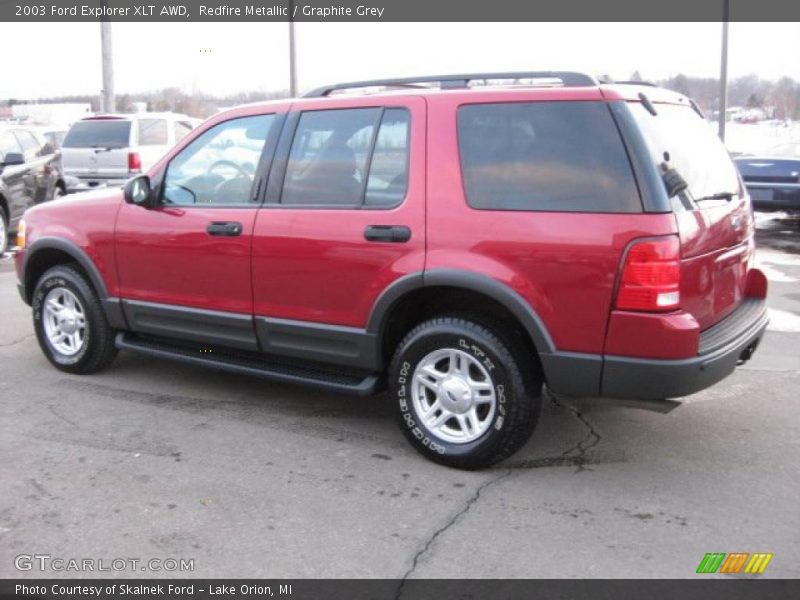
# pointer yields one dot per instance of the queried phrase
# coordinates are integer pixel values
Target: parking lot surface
(155, 459)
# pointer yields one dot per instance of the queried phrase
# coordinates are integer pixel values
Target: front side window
(545, 156)
(153, 132)
(219, 166)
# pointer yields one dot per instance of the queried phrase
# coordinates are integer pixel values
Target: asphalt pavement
(246, 478)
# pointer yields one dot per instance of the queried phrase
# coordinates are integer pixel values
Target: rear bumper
(722, 347)
(774, 196)
(84, 184)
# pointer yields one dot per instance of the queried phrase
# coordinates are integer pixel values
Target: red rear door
(345, 214)
(713, 215)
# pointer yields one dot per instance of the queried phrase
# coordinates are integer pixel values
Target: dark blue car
(773, 179)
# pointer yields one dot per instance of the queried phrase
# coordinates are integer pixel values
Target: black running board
(252, 364)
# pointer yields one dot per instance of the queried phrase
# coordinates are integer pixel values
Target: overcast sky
(53, 59)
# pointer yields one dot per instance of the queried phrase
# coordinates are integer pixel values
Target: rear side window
(152, 132)
(99, 134)
(545, 156)
(693, 148)
(327, 162)
(28, 141)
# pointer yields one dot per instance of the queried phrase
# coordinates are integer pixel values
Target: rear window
(152, 132)
(545, 156)
(98, 134)
(693, 148)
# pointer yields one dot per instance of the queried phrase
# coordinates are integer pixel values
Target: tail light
(651, 276)
(134, 162)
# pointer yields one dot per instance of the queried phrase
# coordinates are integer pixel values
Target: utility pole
(292, 54)
(723, 71)
(109, 105)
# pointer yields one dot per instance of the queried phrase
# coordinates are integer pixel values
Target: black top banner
(399, 10)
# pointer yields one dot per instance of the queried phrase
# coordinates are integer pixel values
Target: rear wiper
(718, 196)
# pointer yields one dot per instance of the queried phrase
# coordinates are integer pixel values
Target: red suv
(462, 241)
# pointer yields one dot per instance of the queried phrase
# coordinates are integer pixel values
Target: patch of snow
(783, 321)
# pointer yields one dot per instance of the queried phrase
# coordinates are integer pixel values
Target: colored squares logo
(734, 563)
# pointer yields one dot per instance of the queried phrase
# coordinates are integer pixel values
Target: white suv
(106, 150)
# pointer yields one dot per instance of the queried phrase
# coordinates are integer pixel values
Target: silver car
(107, 150)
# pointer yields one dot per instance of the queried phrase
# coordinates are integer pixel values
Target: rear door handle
(224, 228)
(387, 233)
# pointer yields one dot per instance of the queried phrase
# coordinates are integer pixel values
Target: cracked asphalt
(249, 478)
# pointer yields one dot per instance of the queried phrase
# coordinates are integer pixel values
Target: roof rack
(567, 78)
(645, 83)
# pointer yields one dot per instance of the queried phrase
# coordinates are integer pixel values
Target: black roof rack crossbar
(567, 78)
(645, 83)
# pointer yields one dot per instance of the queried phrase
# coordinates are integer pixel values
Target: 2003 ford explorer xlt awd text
(462, 241)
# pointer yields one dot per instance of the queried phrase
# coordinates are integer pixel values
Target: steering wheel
(229, 163)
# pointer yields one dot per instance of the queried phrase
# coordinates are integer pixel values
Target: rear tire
(461, 397)
(70, 323)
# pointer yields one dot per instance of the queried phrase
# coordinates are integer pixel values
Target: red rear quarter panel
(563, 264)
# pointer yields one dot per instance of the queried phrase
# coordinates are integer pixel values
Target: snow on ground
(758, 138)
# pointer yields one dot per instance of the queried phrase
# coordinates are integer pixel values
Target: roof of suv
(483, 87)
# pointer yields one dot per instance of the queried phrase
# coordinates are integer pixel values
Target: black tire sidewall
(442, 336)
(66, 278)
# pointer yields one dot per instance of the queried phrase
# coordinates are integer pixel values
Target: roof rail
(567, 78)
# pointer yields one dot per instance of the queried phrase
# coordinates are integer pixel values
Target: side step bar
(253, 364)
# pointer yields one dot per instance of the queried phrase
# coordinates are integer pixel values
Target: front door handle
(387, 233)
(224, 228)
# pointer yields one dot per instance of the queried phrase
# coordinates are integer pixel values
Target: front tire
(460, 393)
(70, 323)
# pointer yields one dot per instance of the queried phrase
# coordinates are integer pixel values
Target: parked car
(106, 150)
(773, 179)
(463, 246)
(30, 173)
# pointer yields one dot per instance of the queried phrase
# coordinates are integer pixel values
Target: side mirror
(13, 158)
(138, 191)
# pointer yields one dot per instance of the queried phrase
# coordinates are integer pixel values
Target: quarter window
(153, 132)
(219, 166)
(388, 171)
(182, 129)
(545, 156)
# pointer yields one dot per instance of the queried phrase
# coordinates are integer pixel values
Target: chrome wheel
(64, 321)
(453, 395)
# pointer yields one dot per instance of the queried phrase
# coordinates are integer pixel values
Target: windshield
(693, 148)
(98, 134)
